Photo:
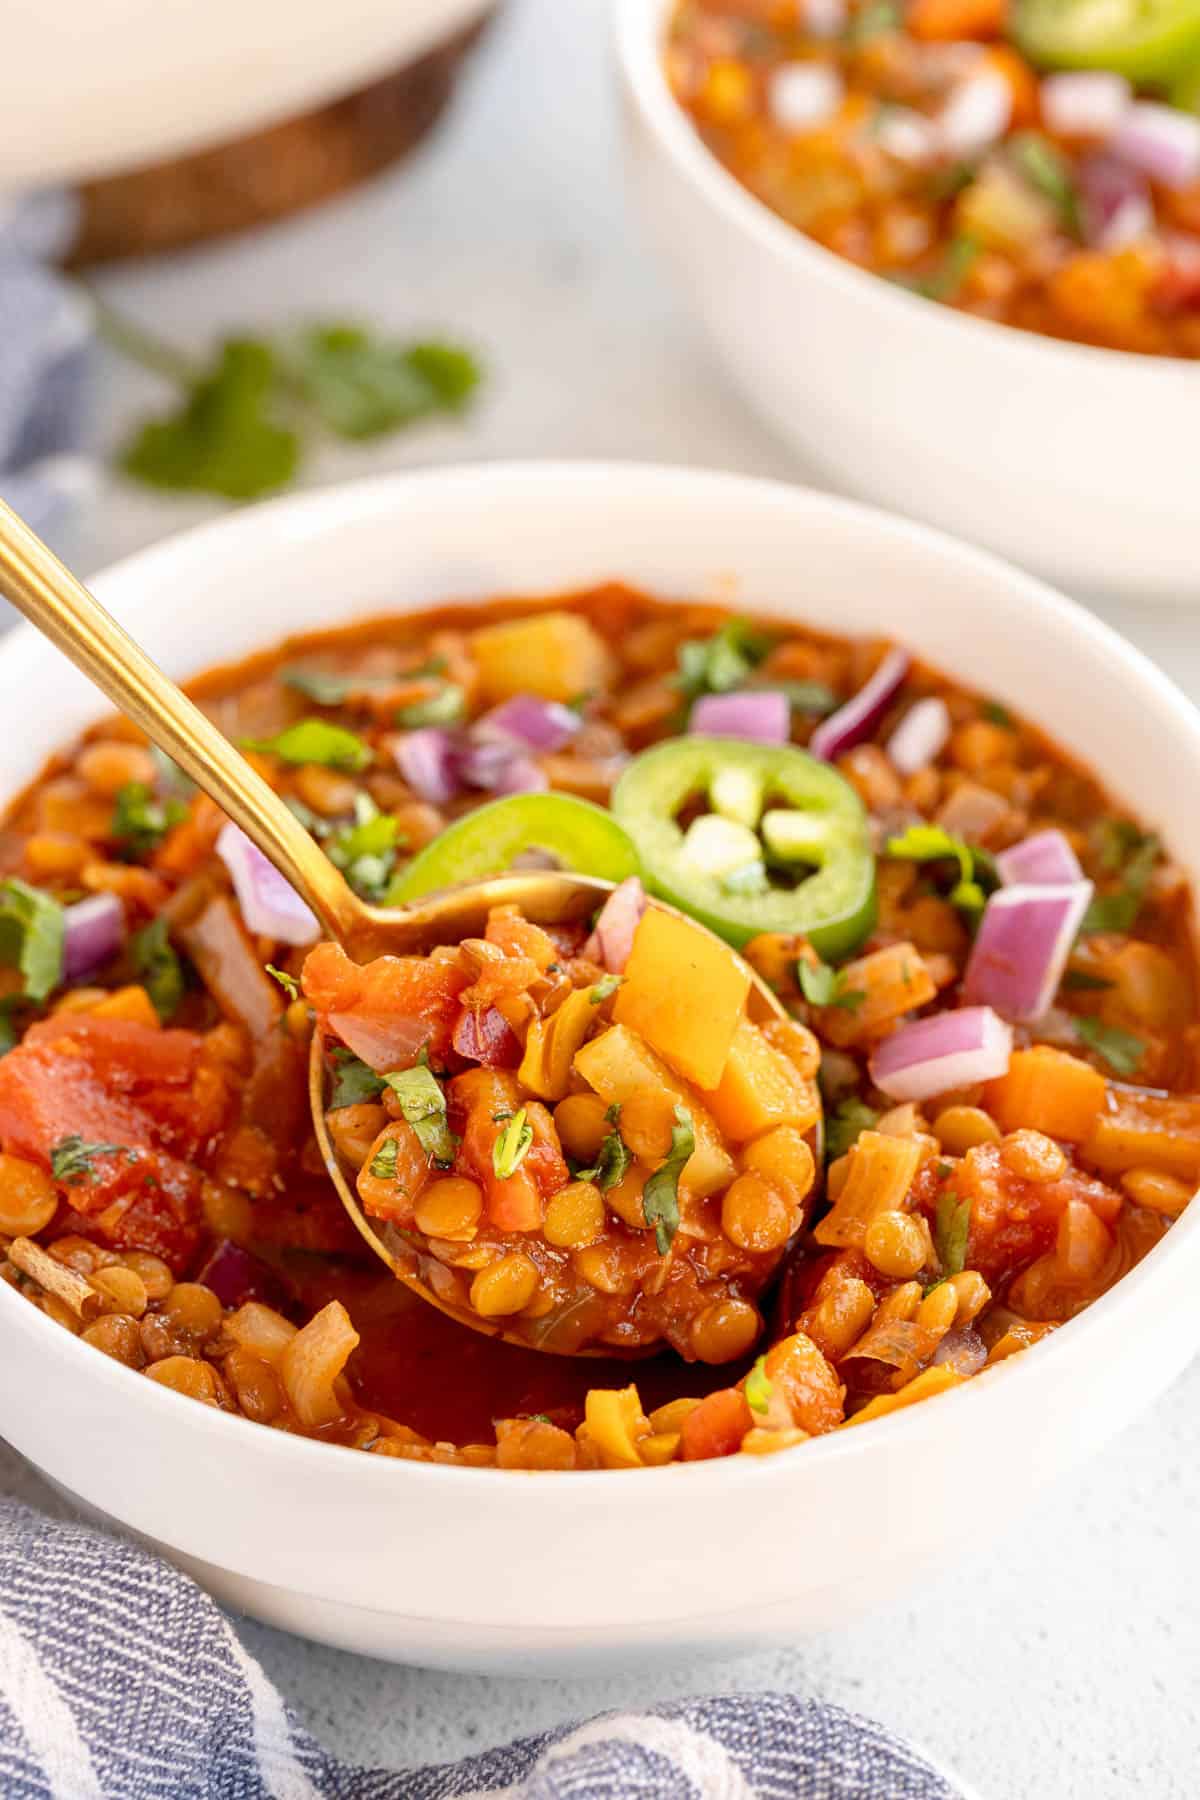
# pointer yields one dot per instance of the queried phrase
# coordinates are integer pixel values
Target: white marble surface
(1057, 1664)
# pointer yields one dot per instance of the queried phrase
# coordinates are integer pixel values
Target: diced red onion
(94, 931)
(963, 1350)
(1161, 141)
(426, 760)
(486, 1037)
(382, 1040)
(1022, 945)
(920, 736)
(498, 768)
(1044, 860)
(907, 135)
(531, 723)
(945, 1051)
(270, 906)
(976, 115)
(236, 1275)
(762, 716)
(823, 18)
(1114, 201)
(1088, 103)
(612, 938)
(971, 812)
(804, 95)
(851, 723)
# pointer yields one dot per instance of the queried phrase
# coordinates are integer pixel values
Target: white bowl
(92, 87)
(517, 1571)
(1080, 463)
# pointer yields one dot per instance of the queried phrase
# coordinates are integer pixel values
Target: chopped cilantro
(812, 698)
(759, 1388)
(320, 685)
(946, 280)
(952, 1227)
(353, 1081)
(1116, 840)
(930, 843)
(512, 1146)
(383, 1163)
(995, 713)
(288, 983)
(366, 850)
(843, 1125)
(823, 986)
(873, 20)
(315, 741)
(660, 1196)
(1119, 1049)
(361, 386)
(722, 662)
(71, 1160)
(604, 989)
(423, 1104)
(445, 707)
(141, 820)
(1048, 172)
(1118, 912)
(1082, 981)
(159, 967)
(32, 934)
(614, 1158)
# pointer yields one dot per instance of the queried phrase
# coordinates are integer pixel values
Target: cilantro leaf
(722, 662)
(952, 1227)
(660, 1196)
(759, 1388)
(321, 685)
(995, 713)
(159, 967)
(361, 386)
(812, 698)
(316, 741)
(1119, 1049)
(842, 1127)
(445, 707)
(1118, 912)
(353, 1082)
(1048, 172)
(1083, 981)
(1115, 841)
(383, 1163)
(225, 435)
(930, 843)
(604, 989)
(141, 820)
(71, 1160)
(366, 850)
(823, 986)
(614, 1157)
(32, 934)
(423, 1104)
(946, 280)
(288, 983)
(512, 1146)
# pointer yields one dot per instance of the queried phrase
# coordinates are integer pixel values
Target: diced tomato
(518, 937)
(483, 1100)
(1014, 1220)
(385, 1010)
(716, 1427)
(486, 1038)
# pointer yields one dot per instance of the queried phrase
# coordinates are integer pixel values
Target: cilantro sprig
(423, 1104)
(822, 985)
(353, 1082)
(366, 850)
(1126, 850)
(843, 1125)
(718, 664)
(244, 420)
(613, 1158)
(1119, 1049)
(660, 1196)
(930, 843)
(72, 1161)
(951, 1230)
(140, 820)
(32, 935)
(159, 966)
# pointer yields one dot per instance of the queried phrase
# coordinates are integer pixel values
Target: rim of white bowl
(639, 31)
(329, 510)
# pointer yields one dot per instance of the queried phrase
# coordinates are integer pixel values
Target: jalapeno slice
(770, 840)
(1146, 40)
(583, 838)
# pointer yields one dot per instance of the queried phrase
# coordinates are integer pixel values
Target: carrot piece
(945, 20)
(880, 1172)
(761, 1088)
(1143, 1131)
(716, 1427)
(1047, 1090)
(875, 992)
(685, 992)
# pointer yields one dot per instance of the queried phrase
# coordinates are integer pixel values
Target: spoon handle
(39, 585)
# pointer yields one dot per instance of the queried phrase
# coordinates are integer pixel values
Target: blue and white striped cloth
(121, 1680)
(45, 325)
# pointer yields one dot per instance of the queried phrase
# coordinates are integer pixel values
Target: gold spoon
(57, 603)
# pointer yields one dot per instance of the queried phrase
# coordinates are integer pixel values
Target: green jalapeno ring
(793, 809)
(1148, 41)
(586, 840)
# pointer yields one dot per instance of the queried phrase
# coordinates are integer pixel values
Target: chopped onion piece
(976, 115)
(612, 938)
(1022, 946)
(236, 1275)
(907, 135)
(1115, 202)
(946, 1051)
(823, 18)
(804, 95)
(1161, 141)
(1088, 103)
(498, 767)
(486, 1037)
(851, 723)
(1044, 860)
(762, 716)
(94, 931)
(426, 760)
(531, 723)
(269, 905)
(920, 736)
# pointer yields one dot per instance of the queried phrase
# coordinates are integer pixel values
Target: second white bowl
(1079, 463)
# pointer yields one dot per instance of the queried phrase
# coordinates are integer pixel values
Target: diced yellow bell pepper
(618, 1062)
(615, 1422)
(761, 1087)
(556, 655)
(685, 992)
(551, 1045)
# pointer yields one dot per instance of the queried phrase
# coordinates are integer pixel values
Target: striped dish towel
(121, 1680)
